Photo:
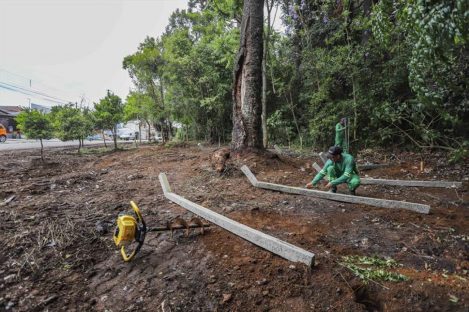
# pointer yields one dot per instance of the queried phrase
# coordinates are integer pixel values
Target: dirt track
(54, 256)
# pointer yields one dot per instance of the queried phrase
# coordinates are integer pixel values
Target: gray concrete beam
(371, 166)
(416, 183)
(270, 243)
(323, 157)
(317, 167)
(384, 203)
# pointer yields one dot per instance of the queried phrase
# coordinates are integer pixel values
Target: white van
(126, 134)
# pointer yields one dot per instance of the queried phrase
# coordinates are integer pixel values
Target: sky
(73, 49)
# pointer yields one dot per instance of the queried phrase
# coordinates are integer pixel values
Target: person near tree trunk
(340, 128)
(339, 168)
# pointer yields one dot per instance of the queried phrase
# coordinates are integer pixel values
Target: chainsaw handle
(137, 213)
(129, 257)
(126, 257)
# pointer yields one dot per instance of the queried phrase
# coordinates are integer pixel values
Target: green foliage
(461, 154)
(438, 33)
(34, 124)
(71, 123)
(109, 111)
(432, 39)
(199, 53)
(398, 68)
(372, 268)
(187, 72)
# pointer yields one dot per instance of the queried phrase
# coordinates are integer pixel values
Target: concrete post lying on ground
(371, 166)
(323, 157)
(317, 167)
(416, 183)
(270, 243)
(384, 203)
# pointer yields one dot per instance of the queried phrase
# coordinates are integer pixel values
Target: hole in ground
(363, 296)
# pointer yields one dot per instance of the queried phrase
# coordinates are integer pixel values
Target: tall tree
(141, 107)
(145, 67)
(247, 106)
(108, 112)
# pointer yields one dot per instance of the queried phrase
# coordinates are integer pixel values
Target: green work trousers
(353, 182)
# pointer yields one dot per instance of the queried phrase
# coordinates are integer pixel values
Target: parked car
(3, 134)
(126, 134)
(95, 137)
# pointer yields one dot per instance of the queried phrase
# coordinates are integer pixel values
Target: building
(41, 108)
(7, 118)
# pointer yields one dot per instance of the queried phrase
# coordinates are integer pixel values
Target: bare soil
(57, 252)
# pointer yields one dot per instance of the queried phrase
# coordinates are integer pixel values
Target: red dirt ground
(55, 257)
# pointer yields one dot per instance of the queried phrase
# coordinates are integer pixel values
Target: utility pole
(29, 99)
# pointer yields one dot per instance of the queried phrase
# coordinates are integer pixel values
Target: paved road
(33, 144)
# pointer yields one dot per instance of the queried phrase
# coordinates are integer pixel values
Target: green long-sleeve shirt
(339, 134)
(343, 170)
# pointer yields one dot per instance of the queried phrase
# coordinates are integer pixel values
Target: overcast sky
(71, 48)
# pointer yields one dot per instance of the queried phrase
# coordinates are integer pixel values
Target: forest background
(398, 69)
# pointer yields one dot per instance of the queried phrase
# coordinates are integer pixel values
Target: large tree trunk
(247, 88)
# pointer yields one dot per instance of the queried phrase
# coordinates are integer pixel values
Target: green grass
(95, 150)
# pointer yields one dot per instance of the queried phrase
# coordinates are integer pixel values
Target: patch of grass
(175, 143)
(94, 150)
(372, 268)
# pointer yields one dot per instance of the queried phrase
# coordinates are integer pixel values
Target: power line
(27, 81)
(31, 94)
(32, 91)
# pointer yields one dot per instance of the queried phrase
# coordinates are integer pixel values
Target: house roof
(11, 110)
(4, 113)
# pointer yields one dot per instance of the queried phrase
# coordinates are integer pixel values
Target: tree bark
(264, 77)
(149, 131)
(104, 138)
(247, 89)
(115, 138)
(140, 131)
(42, 151)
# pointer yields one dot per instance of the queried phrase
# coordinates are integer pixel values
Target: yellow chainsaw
(131, 229)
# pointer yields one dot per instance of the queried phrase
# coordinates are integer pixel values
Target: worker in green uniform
(339, 168)
(340, 128)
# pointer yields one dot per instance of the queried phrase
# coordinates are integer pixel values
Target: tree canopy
(398, 69)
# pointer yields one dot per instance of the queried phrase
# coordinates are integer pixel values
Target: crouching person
(339, 168)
